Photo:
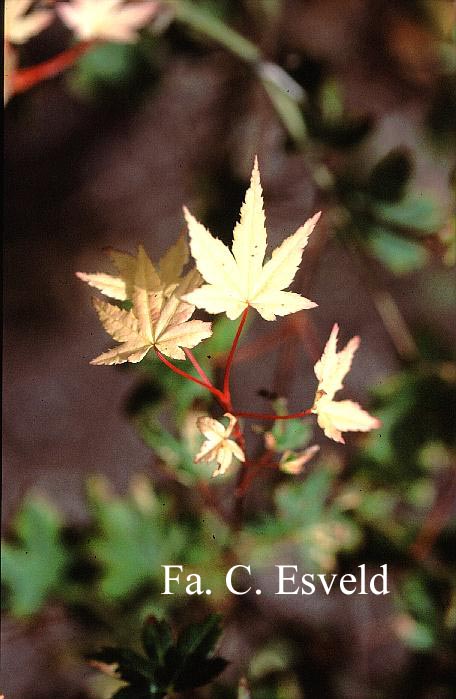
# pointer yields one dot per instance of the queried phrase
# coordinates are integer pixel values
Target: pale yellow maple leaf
(154, 321)
(218, 446)
(238, 278)
(107, 20)
(121, 287)
(21, 24)
(335, 417)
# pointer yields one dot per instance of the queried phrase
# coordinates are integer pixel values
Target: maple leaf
(217, 446)
(335, 417)
(109, 20)
(121, 287)
(238, 279)
(154, 321)
(20, 24)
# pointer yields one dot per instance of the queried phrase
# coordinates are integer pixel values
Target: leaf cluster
(169, 665)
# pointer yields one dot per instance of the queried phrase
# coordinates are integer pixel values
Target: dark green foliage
(389, 177)
(171, 665)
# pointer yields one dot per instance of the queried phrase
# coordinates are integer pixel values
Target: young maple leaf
(121, 287)
(108, 20)
(335, 417)
(218, 447)
(154, 321)
(21, 25)
(294, 463)
(239, 279)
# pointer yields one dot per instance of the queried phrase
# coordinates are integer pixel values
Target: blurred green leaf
(32, 570)
(288, 110)
(202, 19)
(331, 101)
(134, 538)
(289, 434)
(107, 65)
(398, 254)
(417, 212)
(390, 175)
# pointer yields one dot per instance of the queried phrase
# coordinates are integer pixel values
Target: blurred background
(351, 108)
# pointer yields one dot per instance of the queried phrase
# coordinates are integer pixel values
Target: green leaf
(206, 23)
(303, 503)
(291, 434)
(171, 666)
(398, 254)
(132, 541)
(156, 639)
(200, 639)
(32, 570)
(416, 212)
(390, 175)
(197, 673)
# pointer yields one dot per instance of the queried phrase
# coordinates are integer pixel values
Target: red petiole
(26, 78)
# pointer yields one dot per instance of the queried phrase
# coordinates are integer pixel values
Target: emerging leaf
(335, 417)
(239, 278)
(218, 447)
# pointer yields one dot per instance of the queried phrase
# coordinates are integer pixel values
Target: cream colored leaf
(107, 20)
(238, 279)
(213, 259)
(173, 262)
(126, 352)
(333, 366)
(249, 236)
(335, 417)
(114, 287)
(174, 310)
(280, 271)
(126, 266)
(216, 300)
(280, 303)
(147, 297)
(122, 325)
(186, 335)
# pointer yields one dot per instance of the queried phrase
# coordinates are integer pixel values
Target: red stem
(201, 373)
(266, 416)
(183, 373)
(28, 77)
(226, 380)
